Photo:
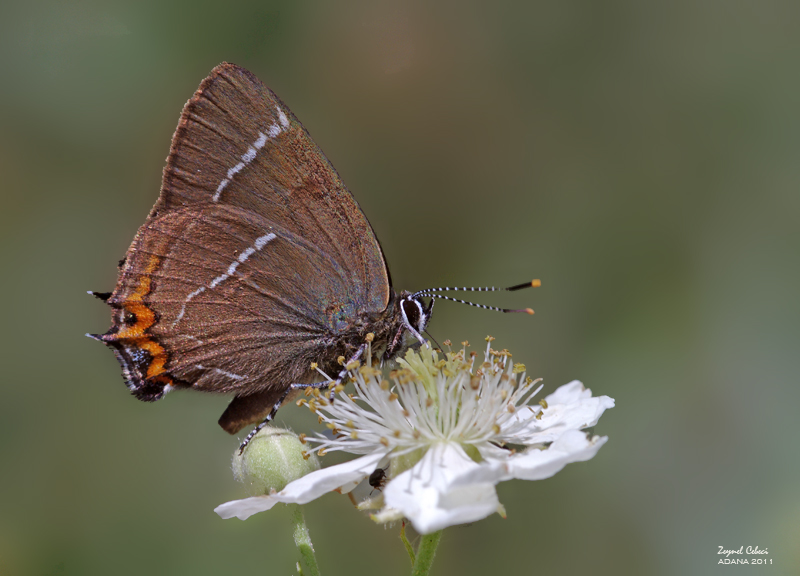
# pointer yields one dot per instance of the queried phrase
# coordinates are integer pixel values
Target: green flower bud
(272, 459)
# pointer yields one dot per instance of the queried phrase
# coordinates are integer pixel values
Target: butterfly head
(415, 314)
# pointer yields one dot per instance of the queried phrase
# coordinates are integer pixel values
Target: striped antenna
(430, 292)
(484, 306)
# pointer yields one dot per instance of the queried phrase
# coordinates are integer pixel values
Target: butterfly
(256, 270)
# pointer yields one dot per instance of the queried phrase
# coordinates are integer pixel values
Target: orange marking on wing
(145, 318)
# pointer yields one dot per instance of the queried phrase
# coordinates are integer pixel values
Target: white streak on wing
(284, 120)
(231, 269)
(196, 292)
(259, 244)
(228, 374)
(251, 153)
(273, 130)
(235, 169)
(220, 188)
(185, 302)
(246, 254)
(220, 371)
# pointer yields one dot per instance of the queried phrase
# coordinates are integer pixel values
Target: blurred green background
(642, 159)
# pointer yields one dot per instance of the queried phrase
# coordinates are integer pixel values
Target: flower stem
(411, 554)
(302, 539)
(425, 554)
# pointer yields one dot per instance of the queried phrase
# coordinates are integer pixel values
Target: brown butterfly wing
(238, 144)
(254, 261)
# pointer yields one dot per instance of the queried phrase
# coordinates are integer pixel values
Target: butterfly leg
(292, 387)
(343, 372)
(274, 410)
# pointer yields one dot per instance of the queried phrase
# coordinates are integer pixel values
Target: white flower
(450, 430)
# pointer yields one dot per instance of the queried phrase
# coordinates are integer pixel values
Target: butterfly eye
(414, 314)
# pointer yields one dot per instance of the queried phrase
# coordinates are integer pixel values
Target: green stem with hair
(302, 539)
(426, 553)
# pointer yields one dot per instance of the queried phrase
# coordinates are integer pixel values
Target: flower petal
(243, 509)
(535, 464)
(570, 393)
(570, 407)
(307, 488)
(426, 494)
(572, 446)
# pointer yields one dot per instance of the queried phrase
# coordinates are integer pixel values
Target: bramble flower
(446, 430)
